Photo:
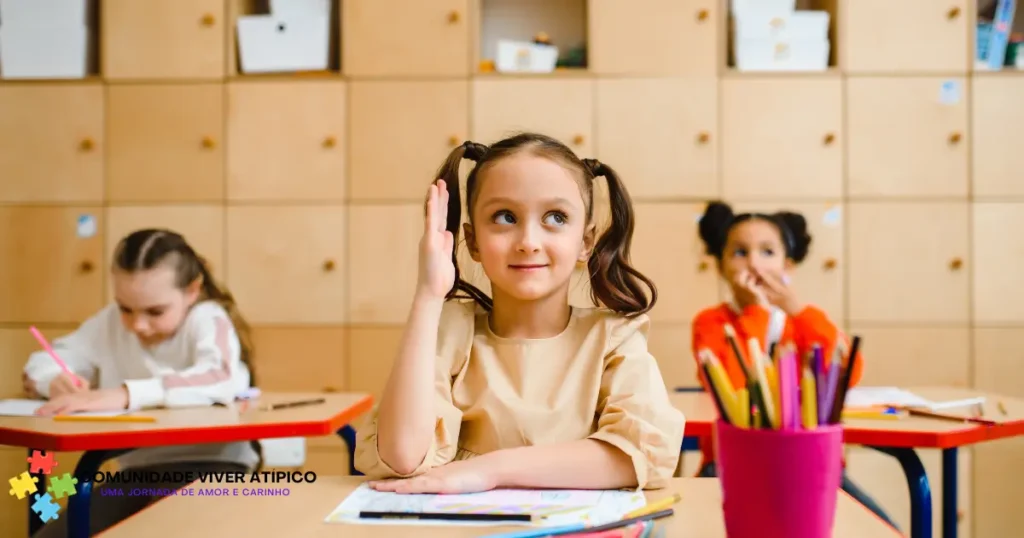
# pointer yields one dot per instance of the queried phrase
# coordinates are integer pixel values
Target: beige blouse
(595, 380)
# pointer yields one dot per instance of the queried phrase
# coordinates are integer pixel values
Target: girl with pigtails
(521, 389)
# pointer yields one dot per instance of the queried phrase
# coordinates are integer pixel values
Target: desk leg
(950, 510)
(79, 503)
(348, 435)
(920, 490)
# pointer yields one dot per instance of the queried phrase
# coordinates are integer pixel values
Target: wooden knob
(86, 144)
(330, 389)
(953, 13)
(208, 20)
(453, 141)
(85, 266)
(453, 17)
(328, 265)
(703, 138)
(702, 266)
(702, 15)
(954, 138)
(329, 142)
(829, 138)
(830, 264)
(956, 263)
(578, 140)
(209, 142)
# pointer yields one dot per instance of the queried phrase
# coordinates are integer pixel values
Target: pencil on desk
(655, 506)
(113, 418)
(1002, 407)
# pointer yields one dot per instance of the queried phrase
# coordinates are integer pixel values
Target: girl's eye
(556, 218)
(504, 217)
(769, 252)
(739, 252)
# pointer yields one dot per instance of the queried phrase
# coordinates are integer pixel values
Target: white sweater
(186, 370)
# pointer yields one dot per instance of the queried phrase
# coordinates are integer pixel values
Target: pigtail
(613, 281)
(449, 172)
(213, 292)
(799, 238)
(713, 226)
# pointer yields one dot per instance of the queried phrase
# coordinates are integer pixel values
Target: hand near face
(747, 290)
(778, 293)
(464, 476)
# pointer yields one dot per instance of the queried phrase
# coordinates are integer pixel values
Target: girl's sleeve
(215, 375)
(78, 350)
(813, 326)
(454, 341)
(635, 414)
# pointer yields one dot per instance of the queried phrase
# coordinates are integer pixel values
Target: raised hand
(437, 272)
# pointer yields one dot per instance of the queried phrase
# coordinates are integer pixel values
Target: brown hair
(145, 249)
(614, 282)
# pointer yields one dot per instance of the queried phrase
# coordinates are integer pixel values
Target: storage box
(274, 44)
(42, 12)
(43, 51)
(798, 25)
(525, 57)
(782, 55)
(772, 7)
(299, 8)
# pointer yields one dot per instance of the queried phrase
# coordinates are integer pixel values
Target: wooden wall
(304, 190)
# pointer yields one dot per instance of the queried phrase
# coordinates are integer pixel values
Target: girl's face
(529, 227)
(152, 306)
(753, 246)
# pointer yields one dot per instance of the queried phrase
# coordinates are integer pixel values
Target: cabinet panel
(997, 115)
(396, 142)
(53, 274)
(907, 137)
(915, 356)
(660, 134)
(53, 143)
(909, 36)
(383, 292)
(782, 137)
(163, 39)
(560, 108)
(670, 343)
(997, 360)
(998, 257)
(907, 262)
(371, 352)
(15, 347)
(300, 359)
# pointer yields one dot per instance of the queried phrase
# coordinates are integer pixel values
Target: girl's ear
(589, 239)
(193, 289)
(467, 230)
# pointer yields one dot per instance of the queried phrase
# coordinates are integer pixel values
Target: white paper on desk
(27, 408)
(586, 505)
(874, 396)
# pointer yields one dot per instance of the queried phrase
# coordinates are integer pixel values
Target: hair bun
(713, 224)
(797, 225)
(474, 151)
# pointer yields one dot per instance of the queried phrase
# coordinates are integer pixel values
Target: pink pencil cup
(779, 484)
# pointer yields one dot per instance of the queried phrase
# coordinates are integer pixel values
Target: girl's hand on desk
(89, 400)
(65, 384)
(464, 476)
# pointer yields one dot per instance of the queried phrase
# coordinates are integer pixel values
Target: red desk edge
(182, 436)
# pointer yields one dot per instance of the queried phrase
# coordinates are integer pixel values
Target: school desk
(242, 421)
(302, 513)
(899, 439)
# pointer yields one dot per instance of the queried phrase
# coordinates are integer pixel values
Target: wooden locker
(560, 107)
(907, 356)
(166, 143)
(996, 116)
(371, 352)
(382, 292)
(909, 36)
(670, 344)
(300, 359)
(16, 344)
(998, 252)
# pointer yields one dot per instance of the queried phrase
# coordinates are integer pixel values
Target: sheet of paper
(27, 408)
(560, 506)
(876, 396)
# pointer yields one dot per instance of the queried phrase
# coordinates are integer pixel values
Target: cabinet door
(998, 254)
(371, 352)
(395, 142)
(781, 138)
(286, 264)
(166, 143)
(820, 279)
(915, 356)
(201, 226)
(670, 343)
(894, 123)
(52, 143)
(996, 117)
(382, 292)
(53, 259)
(907, 262)
(560, 108)
(660, 135)
(668, 250)
(300, 359)
(15, 347)
(653, 37)
(922, 36)
(394, 38)
(163, 39)
(286, 140)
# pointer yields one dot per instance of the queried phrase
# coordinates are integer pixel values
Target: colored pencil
(755, 390)
(808, 400)
(655, 506)
(722, 412)
(844, 384)
(730, 336)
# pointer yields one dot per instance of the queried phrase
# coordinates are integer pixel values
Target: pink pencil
(46, 345)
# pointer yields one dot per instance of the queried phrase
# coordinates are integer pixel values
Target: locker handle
(208, 20)
(578, 140)
(209, 142)
(703, 138)
(702, 266)
(86, 144)
(956, 263)
(328, 265)
(453, 141)
(953, 13)
(329, 142)
(830, 264)
(453, 17)
(85, 266)
(829, 138)
(702, 15)
(954, 138)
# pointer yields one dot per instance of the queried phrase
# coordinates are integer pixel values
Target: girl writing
(171, 338)
(521, 389)
(755, 255)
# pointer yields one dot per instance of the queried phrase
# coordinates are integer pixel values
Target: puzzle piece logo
(40, 463)
(60, 486)
(45, 508)
(23, 484)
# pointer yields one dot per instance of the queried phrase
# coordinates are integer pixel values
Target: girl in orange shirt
(755, 254)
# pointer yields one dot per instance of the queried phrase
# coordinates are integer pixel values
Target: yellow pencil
(723, 386)
(654, 507)
(773, 399)
(743, 408)
(761, 367)
(116, 418)
(809, 401)
(873, 415)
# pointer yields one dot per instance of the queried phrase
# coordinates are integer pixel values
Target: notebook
(27, 408)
